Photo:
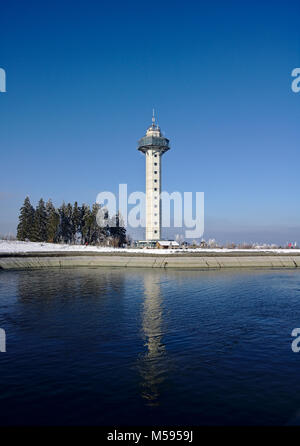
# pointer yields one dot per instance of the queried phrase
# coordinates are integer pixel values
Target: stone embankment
(149, 261)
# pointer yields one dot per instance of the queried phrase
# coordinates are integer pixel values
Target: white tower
(153, 145)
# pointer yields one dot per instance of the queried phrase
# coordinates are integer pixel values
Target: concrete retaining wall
(151, 262)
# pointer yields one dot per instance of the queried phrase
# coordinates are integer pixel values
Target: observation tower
(153, 145)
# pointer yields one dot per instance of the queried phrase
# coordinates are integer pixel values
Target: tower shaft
(153, 190)
(153, 145)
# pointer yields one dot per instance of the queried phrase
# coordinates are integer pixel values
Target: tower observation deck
(153, 145)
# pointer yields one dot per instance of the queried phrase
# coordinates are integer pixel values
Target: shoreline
(19, 261)
(150, 253)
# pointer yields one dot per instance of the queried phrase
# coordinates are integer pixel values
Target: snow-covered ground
(16, 246)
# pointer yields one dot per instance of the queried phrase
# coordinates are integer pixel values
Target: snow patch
(9, 247)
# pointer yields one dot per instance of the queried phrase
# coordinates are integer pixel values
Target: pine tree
(117, 230)
(76, 213)
(65, 227)
(84, 226)
(102, 223)
(26, 221)
(40, 223)
(122, 229)
(67, 223)
(52, 225)
(98, 234)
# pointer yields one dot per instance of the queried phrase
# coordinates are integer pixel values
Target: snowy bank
(10, 247)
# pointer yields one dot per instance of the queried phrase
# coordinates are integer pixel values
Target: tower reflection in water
(153, 364)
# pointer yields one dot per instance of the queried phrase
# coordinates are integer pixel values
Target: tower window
(155, 164)
(155, 156)
(155, 181)
(155, 188)
(155, 171)
(155, 232)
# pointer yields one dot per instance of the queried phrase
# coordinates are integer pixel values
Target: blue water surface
(149, 347)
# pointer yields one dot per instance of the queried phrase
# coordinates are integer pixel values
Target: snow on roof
(167, 243)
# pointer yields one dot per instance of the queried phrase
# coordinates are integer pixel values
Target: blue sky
(82, 78)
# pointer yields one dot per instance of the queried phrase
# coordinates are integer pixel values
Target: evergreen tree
(69, 220)
(84, 225)
(76, 214)
(93, 227)
(65, 227)
(26, 221)
(122, 230)
(102, 222)
(104, 227)
(52, 225)
(40, 223)
(68, 223)
(117, 230)
(98, 234)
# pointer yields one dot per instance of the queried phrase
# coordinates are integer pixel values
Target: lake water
(142, 346)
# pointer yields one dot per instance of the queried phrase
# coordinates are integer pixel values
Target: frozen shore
(15, 247)
(28, 255)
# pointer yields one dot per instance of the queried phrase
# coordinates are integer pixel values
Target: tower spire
(153, 118)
